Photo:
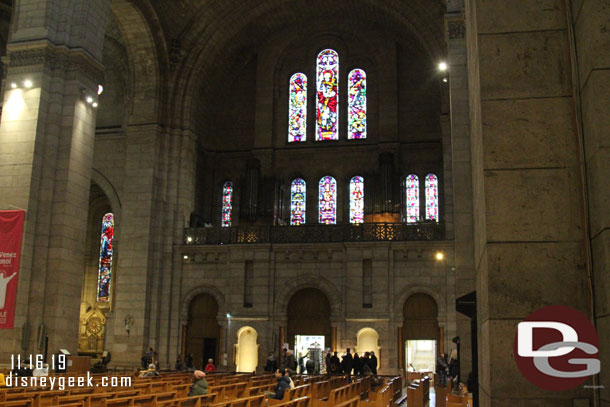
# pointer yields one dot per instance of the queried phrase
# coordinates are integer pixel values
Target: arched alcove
(246, 349)
(203, 331)
(367, 340)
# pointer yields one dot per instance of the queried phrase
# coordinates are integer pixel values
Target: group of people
(188, 364)
(348, 364)
(360, 365)
(447, 367)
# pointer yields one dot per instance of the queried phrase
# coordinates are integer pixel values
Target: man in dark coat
(335, 364)
(373, 363)
(357, 364)
(283, 383)
(348, 364)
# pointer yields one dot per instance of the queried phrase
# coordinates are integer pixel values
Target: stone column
(46, 151)
(528, 234)
(463, 269)
(592, 42)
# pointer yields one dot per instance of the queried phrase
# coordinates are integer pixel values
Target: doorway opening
(420, 355)
(311, 347)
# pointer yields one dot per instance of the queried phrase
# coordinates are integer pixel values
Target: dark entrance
(309, 314)
(203, 331)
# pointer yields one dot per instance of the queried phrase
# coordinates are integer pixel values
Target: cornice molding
(34, 56)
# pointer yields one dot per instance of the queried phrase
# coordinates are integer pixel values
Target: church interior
(225, 180)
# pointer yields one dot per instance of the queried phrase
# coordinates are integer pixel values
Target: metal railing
(367, 232)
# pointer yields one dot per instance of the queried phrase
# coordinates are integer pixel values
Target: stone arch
(441, 303)
(202, 289)
(109, 190)
(144, 69)
(309, 281)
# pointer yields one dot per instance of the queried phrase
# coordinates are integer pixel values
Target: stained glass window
(328, 201)
(297, 108)
(412, 185)
(327, 87)
(356, 104)
(432, 197)
(227, 204)
(356, 200)
(104, 274)
(297, 201)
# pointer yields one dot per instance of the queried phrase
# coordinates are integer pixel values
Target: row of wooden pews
(225, 390)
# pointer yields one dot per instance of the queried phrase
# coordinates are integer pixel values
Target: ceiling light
(89, 99)
(440, 256)
(94, 104)
(100, 89)
(27, 83)
(442, 66)
(13, 85)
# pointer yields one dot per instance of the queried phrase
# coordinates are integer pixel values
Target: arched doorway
(308, 317)
(421, 333)
(247, 349)
(203, 331)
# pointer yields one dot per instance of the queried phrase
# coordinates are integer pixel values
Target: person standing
(327, 362)
(373, 363)
(335, 364)
(210, 366)
(357, 364)
(441, 369)
(348, 364)
(271, 365)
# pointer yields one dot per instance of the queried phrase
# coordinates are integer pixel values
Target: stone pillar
(463, 269)
(528, 234)
(592, 41)
(46, 151)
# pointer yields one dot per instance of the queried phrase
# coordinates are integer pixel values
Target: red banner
(11, 232)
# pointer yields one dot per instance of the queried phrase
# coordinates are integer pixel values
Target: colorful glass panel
(356, 200)
(432, 197)
(356, 105)
(297, 108)
(412, 184)
(104, 274)
(298, 194)
(227, 204)
(327, 201)
(327, 87)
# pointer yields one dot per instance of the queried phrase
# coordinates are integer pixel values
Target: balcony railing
(367, 232)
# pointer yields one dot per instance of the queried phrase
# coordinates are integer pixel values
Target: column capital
(34, 56)
(455, 26)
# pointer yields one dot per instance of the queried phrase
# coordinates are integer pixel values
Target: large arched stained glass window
(227, 204)
(356, 200)
(327, 87)
(297, 201)
(104, 274)
(297, 108)
(432, 197)
(356, 104)
(412, 187)
(327, 201)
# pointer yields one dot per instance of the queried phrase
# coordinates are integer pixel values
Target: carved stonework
(45, 56)
(92, 331)
(456, 29)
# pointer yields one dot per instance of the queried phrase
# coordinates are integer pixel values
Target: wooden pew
(18, 403)
(300, 402)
